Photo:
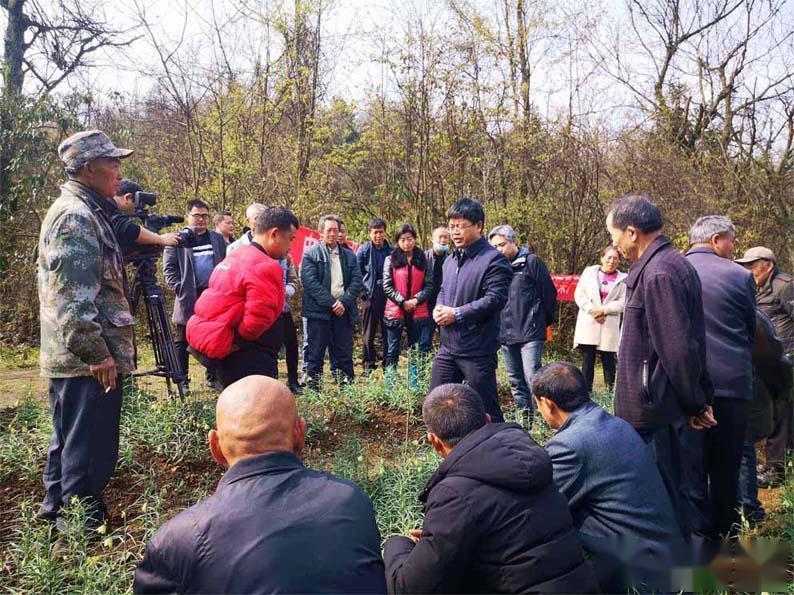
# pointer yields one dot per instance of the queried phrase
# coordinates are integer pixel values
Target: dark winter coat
(494, 523)
(662, 371)
(316, 280)
(776, 300)
(532, 301)
(729, 310)
(435, 267)
(476, 280)
(272, 526)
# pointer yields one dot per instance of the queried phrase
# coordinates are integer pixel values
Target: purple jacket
(662, 371)
(476, 280)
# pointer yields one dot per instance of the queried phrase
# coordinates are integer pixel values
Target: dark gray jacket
(729, 311)
(315, 277)
(776, 300)
(272, 526)
(179, 275)
(662, 371)
(532, 301)
(615, 493)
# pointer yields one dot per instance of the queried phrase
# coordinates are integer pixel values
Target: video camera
(156, 223)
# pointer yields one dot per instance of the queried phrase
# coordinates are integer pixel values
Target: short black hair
(453, 411)
(563, 383)
(404, 228)
(127, 186)
(636, 210)
(196, 203)
(376, 224)
(468, 209)
(279, 217)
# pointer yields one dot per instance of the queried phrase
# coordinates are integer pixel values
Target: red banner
(565, 284)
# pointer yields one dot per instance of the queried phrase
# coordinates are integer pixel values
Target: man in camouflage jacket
(86, 327)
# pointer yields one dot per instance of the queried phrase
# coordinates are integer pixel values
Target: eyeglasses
(459, 226)
(200, 215)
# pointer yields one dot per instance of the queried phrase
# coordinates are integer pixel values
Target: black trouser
(335, 335)
(181, 345)
(248, 362)
(711, 466)
(372, 320)
(85, 443)
(588, 365)
(780, 440)
(479, 372)
(667, 449)
(290, 347)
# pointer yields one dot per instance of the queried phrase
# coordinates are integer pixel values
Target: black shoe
(770, 478)
(45, 514)
(295, 388)
(216, 386)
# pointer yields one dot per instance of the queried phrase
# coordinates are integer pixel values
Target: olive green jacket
(85, 316)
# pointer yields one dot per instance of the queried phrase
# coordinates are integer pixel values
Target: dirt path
(18, 383)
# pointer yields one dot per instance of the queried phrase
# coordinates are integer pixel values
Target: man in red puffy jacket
(237, 319)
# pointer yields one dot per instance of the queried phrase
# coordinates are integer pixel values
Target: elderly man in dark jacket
(531, 307)
(662, 378)
(272, 525)
(494, 520)
(474, 289)
(331, 283)
(775, 297)
(614, 491)
(715, 454)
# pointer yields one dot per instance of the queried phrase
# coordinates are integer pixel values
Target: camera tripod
(144, 285)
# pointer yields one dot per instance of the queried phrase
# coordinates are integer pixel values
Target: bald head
(255, 415)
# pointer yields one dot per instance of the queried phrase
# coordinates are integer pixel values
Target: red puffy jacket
(245, 294)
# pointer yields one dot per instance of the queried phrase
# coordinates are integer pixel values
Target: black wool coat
(495, 522)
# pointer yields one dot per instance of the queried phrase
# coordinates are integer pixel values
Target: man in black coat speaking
(494, 520)
(272, 526)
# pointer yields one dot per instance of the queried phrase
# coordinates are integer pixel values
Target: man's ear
(299, 435)
(130, 197)
(215, 448)
(436, 443)
(488, 419)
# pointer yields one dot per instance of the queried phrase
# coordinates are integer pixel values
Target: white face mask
(440, 248)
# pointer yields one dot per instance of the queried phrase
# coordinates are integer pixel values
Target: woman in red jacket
(407, 285)
(237, 319)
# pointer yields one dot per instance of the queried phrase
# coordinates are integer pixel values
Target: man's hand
(169, 239)
(338, 308)
(105, 373)
(415, 535)
(444, 315)
(410, 305)
(703, 421)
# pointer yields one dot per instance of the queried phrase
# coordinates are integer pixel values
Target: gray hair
(505, 231)
(254, 210)
(709, 226)
(324, 218)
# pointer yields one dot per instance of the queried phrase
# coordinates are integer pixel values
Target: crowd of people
(696, 347)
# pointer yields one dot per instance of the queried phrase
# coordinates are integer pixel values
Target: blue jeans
(522, 361)
(748, 484)
(419, 331)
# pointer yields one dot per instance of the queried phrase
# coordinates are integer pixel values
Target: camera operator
(187, 271)
(128, 232)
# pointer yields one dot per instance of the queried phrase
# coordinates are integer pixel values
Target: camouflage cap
(80, 148)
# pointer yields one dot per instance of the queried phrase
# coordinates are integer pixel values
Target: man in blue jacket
(614, 491)
(331, 283)
(476, 281)
(729, 311)
(531, 307)
(371, 256)
(272, 526)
